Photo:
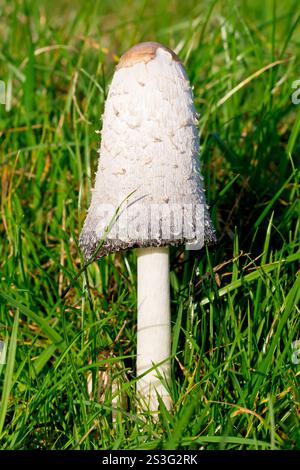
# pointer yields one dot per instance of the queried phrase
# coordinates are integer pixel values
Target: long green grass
(235, 308)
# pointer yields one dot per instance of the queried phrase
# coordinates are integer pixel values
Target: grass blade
(9, 371)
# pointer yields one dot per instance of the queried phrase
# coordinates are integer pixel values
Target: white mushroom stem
(153, 326)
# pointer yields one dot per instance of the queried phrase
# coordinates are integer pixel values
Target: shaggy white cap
(148, 189)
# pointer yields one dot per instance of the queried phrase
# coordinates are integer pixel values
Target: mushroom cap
(148, 189)
(143, 52)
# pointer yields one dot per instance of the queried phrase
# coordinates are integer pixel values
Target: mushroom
(149, 195)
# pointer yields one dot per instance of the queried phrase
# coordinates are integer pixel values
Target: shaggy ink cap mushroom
(148, 190)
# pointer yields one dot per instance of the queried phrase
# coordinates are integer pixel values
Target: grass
(235, 309)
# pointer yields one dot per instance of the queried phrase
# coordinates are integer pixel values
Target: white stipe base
(153, 326)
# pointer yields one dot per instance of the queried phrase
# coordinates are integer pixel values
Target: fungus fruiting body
(149, 184)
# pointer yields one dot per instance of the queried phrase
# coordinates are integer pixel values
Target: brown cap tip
(143, 52)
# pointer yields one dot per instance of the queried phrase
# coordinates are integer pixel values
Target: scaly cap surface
(148, 189)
